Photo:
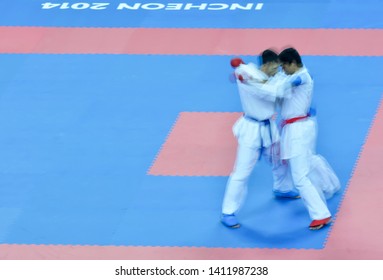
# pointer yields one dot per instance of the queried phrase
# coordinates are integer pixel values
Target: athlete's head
(291, 60)
(269, 62)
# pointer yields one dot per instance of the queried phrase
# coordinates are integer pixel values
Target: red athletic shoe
(318, 224)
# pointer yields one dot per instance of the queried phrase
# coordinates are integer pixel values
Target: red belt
(293, 120)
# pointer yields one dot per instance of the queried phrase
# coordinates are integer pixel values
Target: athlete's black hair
(289, 56)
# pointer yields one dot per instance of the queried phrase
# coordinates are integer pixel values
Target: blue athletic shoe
(290, 194)
(230, 220)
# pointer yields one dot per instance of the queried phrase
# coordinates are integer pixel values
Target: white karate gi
(311, 173)
(258, 103)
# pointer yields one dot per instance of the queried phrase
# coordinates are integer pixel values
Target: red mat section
(49, 40)
(195, 147)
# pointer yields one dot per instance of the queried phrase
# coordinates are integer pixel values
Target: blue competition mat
(78, 134)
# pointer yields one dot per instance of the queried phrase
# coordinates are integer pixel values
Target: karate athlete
(311, 173)
(256, 133)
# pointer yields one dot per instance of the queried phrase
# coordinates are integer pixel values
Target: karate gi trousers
(311, 173)
(254, 138)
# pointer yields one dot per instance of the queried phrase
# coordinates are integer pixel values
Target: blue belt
(264, 122)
